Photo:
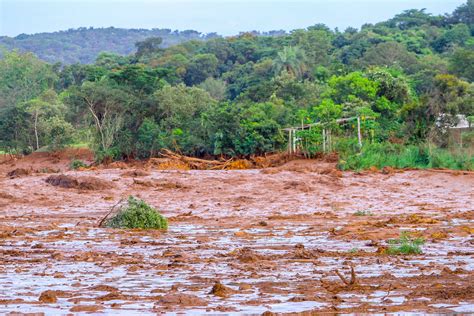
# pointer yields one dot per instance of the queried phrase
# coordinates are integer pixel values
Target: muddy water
(274, 238)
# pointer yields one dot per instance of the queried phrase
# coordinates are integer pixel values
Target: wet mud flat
(285, 240)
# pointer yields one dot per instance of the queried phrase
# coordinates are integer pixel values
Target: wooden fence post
(359, 135)
(324, 140)
(289, 141)
(294, 141)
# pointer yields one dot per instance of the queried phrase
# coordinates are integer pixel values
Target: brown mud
(298, 238)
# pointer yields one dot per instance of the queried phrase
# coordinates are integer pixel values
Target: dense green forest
(407, 78)
(83, 45)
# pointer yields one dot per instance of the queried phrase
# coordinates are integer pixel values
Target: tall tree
(148, 46)
(23, 77)
(291, 60)
(106, 104)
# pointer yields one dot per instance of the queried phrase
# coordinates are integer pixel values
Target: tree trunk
(98, 123)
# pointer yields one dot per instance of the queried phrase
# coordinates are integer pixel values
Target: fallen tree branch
(172, 155)
(102, 221)
(350, 282)
(196, 163)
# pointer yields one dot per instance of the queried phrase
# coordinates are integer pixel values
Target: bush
(405, 245)
(76, 164)
(137, 214)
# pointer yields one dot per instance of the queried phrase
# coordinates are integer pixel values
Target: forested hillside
(83, 45)
(408, 78)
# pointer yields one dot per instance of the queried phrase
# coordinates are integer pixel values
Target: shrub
(405, 245)
(76, 164)
(137, 214)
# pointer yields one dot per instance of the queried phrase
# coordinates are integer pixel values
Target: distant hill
(82, 45)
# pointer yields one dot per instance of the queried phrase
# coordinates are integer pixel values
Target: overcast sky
(225, 17)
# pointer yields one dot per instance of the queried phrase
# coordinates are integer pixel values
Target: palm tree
(292, 60)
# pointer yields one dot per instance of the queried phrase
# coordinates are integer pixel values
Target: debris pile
(82, 183)
(175, 161)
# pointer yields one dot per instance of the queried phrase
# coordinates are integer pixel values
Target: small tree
(59, 133)
(106, 104)
(42, 109)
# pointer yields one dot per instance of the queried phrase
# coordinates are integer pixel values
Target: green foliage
(215, 87)
(390, 54)
(405, 245)
(23, 77)
(327, 111)
(181, 109)
(291, 60)
(405, 156)
(462, 63)
(363, 213)
(354, 251)
(201, 67)
(82, 45)
(76, 164)
(149, 139)
(148, 46)
(468, 138)
(408, 79)
(59, 133)
(137, 214)
(464, 13)
(259, 130)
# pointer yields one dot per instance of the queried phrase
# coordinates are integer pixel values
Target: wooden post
(324, 140)
(289, 139)
(359, 135)
(294, 141)
(329, 141)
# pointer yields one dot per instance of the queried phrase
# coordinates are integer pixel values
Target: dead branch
(194, 163)
(102, 221)
(388, 292)
(350, 282)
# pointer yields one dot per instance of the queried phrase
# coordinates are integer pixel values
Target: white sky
(225, 17)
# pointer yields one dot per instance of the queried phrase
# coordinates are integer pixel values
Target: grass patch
(354, 251)
(382, 155)
(79, 145)
(363, 213)
(405, 245)
(137, 214)
(76, 164)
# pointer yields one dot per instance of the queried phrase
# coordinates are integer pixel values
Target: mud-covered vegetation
(136, 213)
(408, 79)
(405, 245)
(76, 164)
(81, 183)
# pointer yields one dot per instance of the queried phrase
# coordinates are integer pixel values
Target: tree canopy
(232, 96)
